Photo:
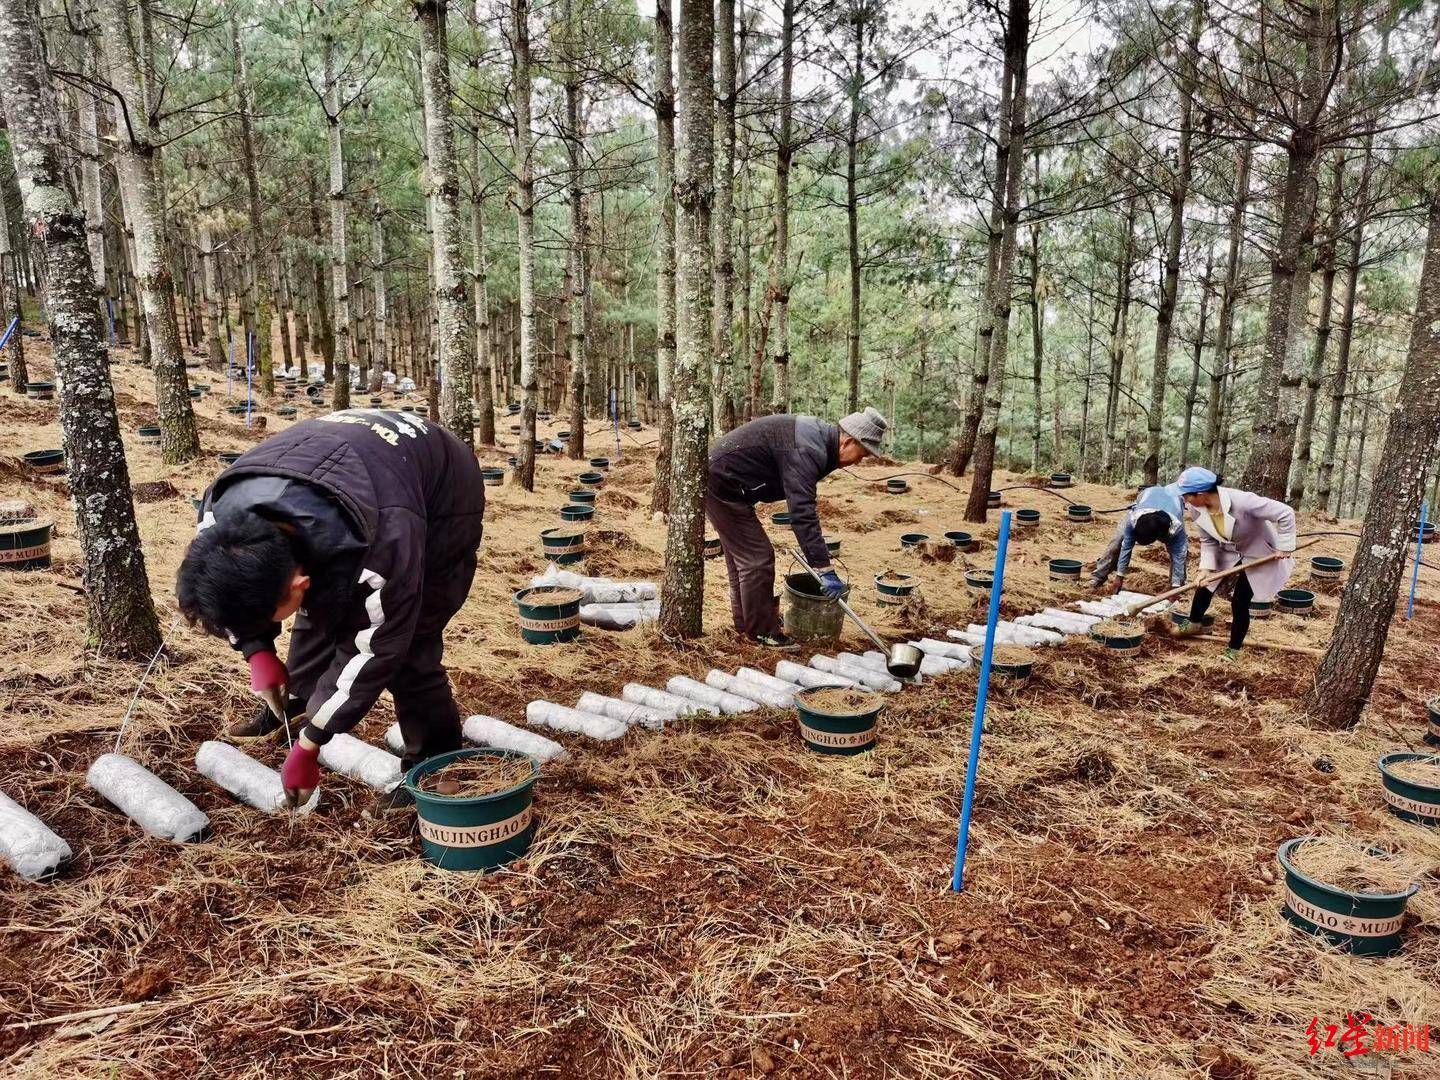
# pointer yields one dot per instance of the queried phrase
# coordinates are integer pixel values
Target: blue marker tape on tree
(1415, 573)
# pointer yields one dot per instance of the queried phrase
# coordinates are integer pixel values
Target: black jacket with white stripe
(400, 498)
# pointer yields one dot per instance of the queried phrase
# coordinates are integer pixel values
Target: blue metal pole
(982, 694)
(249, 369)
(1415, 573)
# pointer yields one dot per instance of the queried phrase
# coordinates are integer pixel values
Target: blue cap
(1196, 479)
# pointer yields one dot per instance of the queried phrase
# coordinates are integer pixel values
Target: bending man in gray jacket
(773, 458)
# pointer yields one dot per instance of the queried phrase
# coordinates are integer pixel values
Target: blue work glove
(831, 584)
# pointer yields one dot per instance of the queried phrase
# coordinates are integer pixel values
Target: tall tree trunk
(1325, 260)
(379, 291)
(137, 163)
(92, 195)
(664, 95)
(11, 307)
(857, 13)
(780, 262)
(1017, 47)
(525, 233)
(454, 329)
(1119, 335)
(1277, 399)
(120, 616)
(723, 347)
(1192, 392)
(1037, 336)
(1229, 301)
(1355, 244)
(485, 404)
(320, 288)
(257, 255)
(683, 595)
(339, 270)
(1170, 285)
(1347, 671)
(577, 254)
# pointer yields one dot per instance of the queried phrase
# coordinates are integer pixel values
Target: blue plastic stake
(249, 370)
(5, 338)
(1415, 573)
(962, 841)
(615, 420)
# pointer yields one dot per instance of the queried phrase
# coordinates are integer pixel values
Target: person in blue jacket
(1156, 517)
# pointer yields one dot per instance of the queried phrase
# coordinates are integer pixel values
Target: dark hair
(234, 574)
(1151, 526)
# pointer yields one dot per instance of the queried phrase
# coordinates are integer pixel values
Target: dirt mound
(154, 491)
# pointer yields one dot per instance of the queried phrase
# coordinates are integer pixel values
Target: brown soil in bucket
(891, 577)
(1346, 865)
(841, 702)
(551, 594)
(1117, 628)
(1013, 654)
(471, 777)
(1425, 772)
(563, 534)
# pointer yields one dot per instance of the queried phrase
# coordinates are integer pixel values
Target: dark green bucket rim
(896, 589)
(909, 540)
(1295, 597)
(1327, 562)
(780, 517)
(1283, 854)
(599, 462)
(520, 601)
(39, 386)
(1022, 669)
(1409, 789)
(1027, 515)
(980, 579)
(1061, 477)
(1078, 510)
(593, 479)
(959, 538)
(877, 703)
(43, 457)
(1328, 899)
(577, 512)
(582, 497)
(1065, 566)
(439, 761)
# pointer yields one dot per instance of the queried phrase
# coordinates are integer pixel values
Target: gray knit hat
(867, 428)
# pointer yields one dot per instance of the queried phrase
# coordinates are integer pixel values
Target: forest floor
(714, 900)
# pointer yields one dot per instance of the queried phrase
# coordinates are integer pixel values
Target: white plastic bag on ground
(247, 779)
(684, 686)
(146, 799)
(27, 843)
(488, 731)
(598, 590)
(626, 712)
(665, 701)
(761, 695)
(619, 616)
(359, 760)
(563, 718)
(811, 678)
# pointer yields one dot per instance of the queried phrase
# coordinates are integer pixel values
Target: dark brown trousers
(750, 562)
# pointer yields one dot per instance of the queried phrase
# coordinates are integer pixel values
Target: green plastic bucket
(993, 500)
(713, 549)
(1261, 609)
(1014, 671)
(895, 592)
(492, 476)
(1326, 568)
(592, 479)
(25, 545)
(810, 615)
(634, 425)
(1079, 512)
(780, 517)
(1180, 616)
(896, 487)
(837, 733)
(1367, 924)
(962, 540)
(1060, 479)
(912, 540)
(376, 401)
(149, 434)
(1407, 799)
(1065, 569)
(832, 544)
(563, 545)
(40, 391)
(1432, 713)
(577, 512)
(547, 622)
(1295, 601)
(229, 458)
(600, 463)
(582, 496)
(1125, 644)
(45, 461)
(1027, 518)
(478, 833)
(980, 579)
(285, 412)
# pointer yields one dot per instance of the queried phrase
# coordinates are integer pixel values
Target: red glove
(267, 672)
(300, 775)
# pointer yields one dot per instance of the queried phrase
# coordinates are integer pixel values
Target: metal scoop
(901, 661)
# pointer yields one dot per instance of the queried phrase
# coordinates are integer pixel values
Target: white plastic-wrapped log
(487, 731)
(563, 718)
(245, 778)
(663, 701)
(1007, 633)
(598, 590)
(626, 712)
(1078, 616)
(1041, 636)
(929, 665)
(812, 678)
(759, 678)
(359, 760)
(394, 740)
(761, 695)
(1103, 608)
(27, 843)
(859, 673)
(619, 616)
(877, 665)
(1130, 599)
(146, 799)
(959, 653)
(1050, 622)
(967, 637)
(684, 686)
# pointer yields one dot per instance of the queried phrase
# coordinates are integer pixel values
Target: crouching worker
(364, 526)
(1235, 527)
(773, 458)
(1156, 517)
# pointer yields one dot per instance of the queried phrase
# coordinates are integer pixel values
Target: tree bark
(578, 248)
(1325, 260)
(120, 615)
(1170, 285)
(525, 234)
(857, 14)
(664, 95)
(683, 594)
(485, 403)
(1017, 46)
(10, 307)
(723, 319)
(1192, 392)
(780, 263)
(1229, 301)
(339, 271)
(256, 255)
(1119, 335)
(137, 164)
(454, 329)
(1347, 671)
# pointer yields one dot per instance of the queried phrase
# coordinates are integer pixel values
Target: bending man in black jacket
(364, 526)
(772, 458)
